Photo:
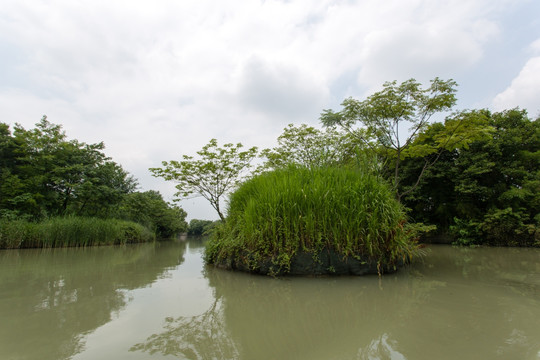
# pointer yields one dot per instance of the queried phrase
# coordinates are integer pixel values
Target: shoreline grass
(71, 232)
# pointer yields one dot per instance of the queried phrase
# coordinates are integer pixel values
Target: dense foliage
(44, 175)
(390, 119)
(149, 209)
(488, 193)
(280, 213)
(199, 227)
(310, 147)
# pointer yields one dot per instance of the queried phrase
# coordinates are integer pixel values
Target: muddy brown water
(159, 301)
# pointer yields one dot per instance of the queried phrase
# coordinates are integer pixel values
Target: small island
(313, 221)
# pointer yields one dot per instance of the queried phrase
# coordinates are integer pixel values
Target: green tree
(216, 171)
(498, 181)
(307, 146)
(488, 192)
(200, 227)
(391, 120)
(10, 184)
(149, 209)
(45, 174)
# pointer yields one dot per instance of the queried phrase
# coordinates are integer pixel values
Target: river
(159, 301)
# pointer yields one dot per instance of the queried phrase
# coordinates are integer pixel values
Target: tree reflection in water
(254, 317)
(381, 348)
(52, 298)
(202, 336)
(484, 301)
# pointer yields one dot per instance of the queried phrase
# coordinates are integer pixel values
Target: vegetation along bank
(60, 192)
(473, 179)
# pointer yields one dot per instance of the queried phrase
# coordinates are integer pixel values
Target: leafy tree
(391, 120)
(217, 171)
(103, 189)
(498, 180)
(45, 174)
(200, 227)
(149, 209)
(307, 146)
(10, 184)
(488, 192)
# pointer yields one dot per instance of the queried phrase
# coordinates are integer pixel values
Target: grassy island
(315, 221)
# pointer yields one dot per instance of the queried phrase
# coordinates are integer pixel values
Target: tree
(487, 192)
(199, 227)
(217, 171)
(102, 190)
(45, 174)
(392, 118)
(149, 209)
(307, 146)
(497, 182)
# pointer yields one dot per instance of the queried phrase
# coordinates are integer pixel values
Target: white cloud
(155, 80)
(280, 90)
(524, 91)
(425, 39)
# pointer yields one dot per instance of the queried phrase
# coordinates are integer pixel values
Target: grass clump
(279, 215)
(71, 231)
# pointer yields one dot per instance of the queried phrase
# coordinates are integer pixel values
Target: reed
(71, 231)
(277, 214)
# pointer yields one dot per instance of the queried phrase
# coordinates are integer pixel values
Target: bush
(281, 214)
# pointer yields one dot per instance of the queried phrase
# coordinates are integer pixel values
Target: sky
(158, 79)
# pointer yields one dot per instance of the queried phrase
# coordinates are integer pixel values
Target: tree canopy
(216, 171)
(489, 192)
(389, 121)
(44, 174)
(308, 146)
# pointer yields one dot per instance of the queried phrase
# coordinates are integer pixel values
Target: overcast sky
(158, 79)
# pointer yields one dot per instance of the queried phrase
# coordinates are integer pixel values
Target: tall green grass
(71, 231)
(277, 214)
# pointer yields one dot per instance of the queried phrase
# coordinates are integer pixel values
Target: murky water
(160, 302)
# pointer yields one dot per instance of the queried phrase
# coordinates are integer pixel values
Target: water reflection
(198, 337)
(257, 317)
(160, 301)
(471, 303)
(51, 298)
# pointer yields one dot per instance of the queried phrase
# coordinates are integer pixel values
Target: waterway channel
(159, 301)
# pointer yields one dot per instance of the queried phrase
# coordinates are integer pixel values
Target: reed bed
(71, 231)
(277, 214)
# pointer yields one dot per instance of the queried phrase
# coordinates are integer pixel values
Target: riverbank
(71, 232)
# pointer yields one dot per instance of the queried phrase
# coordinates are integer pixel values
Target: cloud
(425, 41)
(158, 80)
(524, 91)
(281, 90)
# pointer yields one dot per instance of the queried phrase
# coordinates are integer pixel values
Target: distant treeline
(199, 227)
(44, 176)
